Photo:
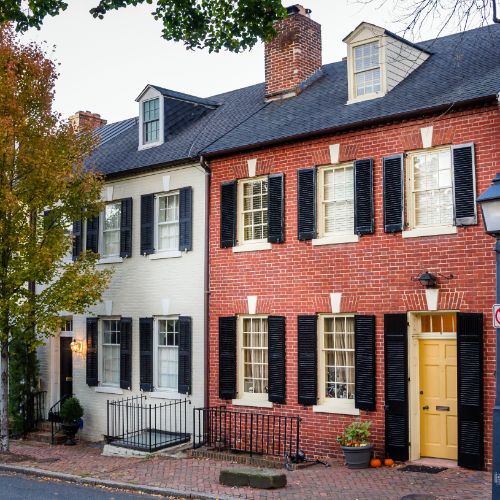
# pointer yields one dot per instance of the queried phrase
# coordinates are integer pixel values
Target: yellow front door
(438, 398)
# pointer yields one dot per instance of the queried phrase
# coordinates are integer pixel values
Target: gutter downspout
(206, 281)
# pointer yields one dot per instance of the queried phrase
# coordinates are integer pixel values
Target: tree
(462, 14)
(44, 187)
(212, 24)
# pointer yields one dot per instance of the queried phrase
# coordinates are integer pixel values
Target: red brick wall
(294, 54)
(374, 274)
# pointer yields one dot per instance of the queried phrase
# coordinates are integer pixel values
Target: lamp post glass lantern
(490, 207)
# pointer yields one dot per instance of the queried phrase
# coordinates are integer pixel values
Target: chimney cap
(298, 9)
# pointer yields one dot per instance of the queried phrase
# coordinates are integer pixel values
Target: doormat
(423, 468)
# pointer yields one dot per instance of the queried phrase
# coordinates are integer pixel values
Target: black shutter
(276, 352)
(396, 386)
(77, 239)
(185, 349)
(91, 360)
(307, 357)
(227, 357)
(364, 353)
(186, 219)
(464, 185)
(146, 354)
(470, 390)
(363, 197)
(306, 203)
(393, 193)
(275, 208)
(228, 214)
(126, 353)
(147, 224)
(126, 228)
(93, 234)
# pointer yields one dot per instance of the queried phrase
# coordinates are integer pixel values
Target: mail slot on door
(69, 379)
(442, 408)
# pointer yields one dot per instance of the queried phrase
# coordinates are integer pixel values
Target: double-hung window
(67, 327)
(111, 229)
(430, 188)
(253, 206)
(167, 226)
(151, 121)
(167, 354)
(366, 60)
(336, 361)
(253, 357)
(336, 200)
(111, 352)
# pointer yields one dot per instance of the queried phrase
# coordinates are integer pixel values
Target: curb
(92, 481)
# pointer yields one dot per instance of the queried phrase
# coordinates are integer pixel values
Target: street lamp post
(490, 206)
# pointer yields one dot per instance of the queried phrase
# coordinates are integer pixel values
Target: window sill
(335, 408)
(335, 240)
(252, 247)
(429, 231)
(110, 260)
(108, 389)
(165, 395)
(366, 97)
(257, 403)
(150, 145)
(171, 254)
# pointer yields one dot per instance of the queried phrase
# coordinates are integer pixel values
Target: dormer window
(367, 68)
(151, 121)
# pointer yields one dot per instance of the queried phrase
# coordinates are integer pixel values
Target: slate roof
(463, 67)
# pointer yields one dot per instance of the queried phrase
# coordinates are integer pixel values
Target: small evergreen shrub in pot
(70, 414)
(355, 444)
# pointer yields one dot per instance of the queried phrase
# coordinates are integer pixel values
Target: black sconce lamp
(430, 280)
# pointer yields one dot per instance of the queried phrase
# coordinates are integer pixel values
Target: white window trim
(107, 259)
(163, 254)
(353, 98)
(331, 238)
(414, 231)
(163, 394)
(161, 390)
(108, 389)
(67, 333)
(242, 244)
(161, 140)
(100, 354)
(330, 405)
(248, 398)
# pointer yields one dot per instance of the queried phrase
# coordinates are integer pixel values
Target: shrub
(71, 410)
(357, 434)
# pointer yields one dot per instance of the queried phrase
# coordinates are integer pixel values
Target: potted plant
(70, 414)
(355, 444)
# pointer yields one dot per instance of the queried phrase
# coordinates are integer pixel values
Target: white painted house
(147, 336)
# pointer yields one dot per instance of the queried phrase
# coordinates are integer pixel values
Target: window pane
(168, 222)
(432, 189)
(111, 352)
(338, 352)
(338, 200)
(111, 243)
(255, 355)
(112, 216)
(168, 333)
(254, 215)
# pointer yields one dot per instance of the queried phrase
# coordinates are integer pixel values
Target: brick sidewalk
(201, 475)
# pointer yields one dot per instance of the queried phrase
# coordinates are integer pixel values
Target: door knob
(426, 407)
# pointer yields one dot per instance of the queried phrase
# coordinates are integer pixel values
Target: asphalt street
(19, 487)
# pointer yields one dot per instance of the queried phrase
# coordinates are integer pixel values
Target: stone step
(45, 426)
(46, 437)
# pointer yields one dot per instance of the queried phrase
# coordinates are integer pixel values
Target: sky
(105, 64)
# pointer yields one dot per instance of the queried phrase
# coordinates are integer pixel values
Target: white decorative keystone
(252, 304)
(335, 299)
(252, 167)
(108, 307)
(109, 193)
(426, 134)
(432, 296)
(334, 153)
(166, 182)
(165, 306)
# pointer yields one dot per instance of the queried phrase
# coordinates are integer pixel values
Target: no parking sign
(496, 316)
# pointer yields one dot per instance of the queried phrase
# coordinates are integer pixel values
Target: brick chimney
(294, 55)
(82, 120)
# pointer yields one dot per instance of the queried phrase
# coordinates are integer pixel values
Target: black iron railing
(35, 410)
(253, 433)
(134, 423)
(55, 418)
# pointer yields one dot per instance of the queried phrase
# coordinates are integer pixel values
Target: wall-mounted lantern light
(77, 346)
(430, 280)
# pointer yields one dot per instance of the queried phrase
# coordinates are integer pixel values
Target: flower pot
(357, 457)
(70, 430)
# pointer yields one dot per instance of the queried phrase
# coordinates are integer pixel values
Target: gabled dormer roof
(378, 31)
(180, 96)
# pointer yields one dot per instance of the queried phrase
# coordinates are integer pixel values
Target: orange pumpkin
(375, 462)
(388, 462)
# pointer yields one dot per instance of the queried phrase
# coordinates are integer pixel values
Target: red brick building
(353, 180)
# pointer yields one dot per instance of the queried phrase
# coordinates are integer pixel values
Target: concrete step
(45, 437)
(45, 426)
